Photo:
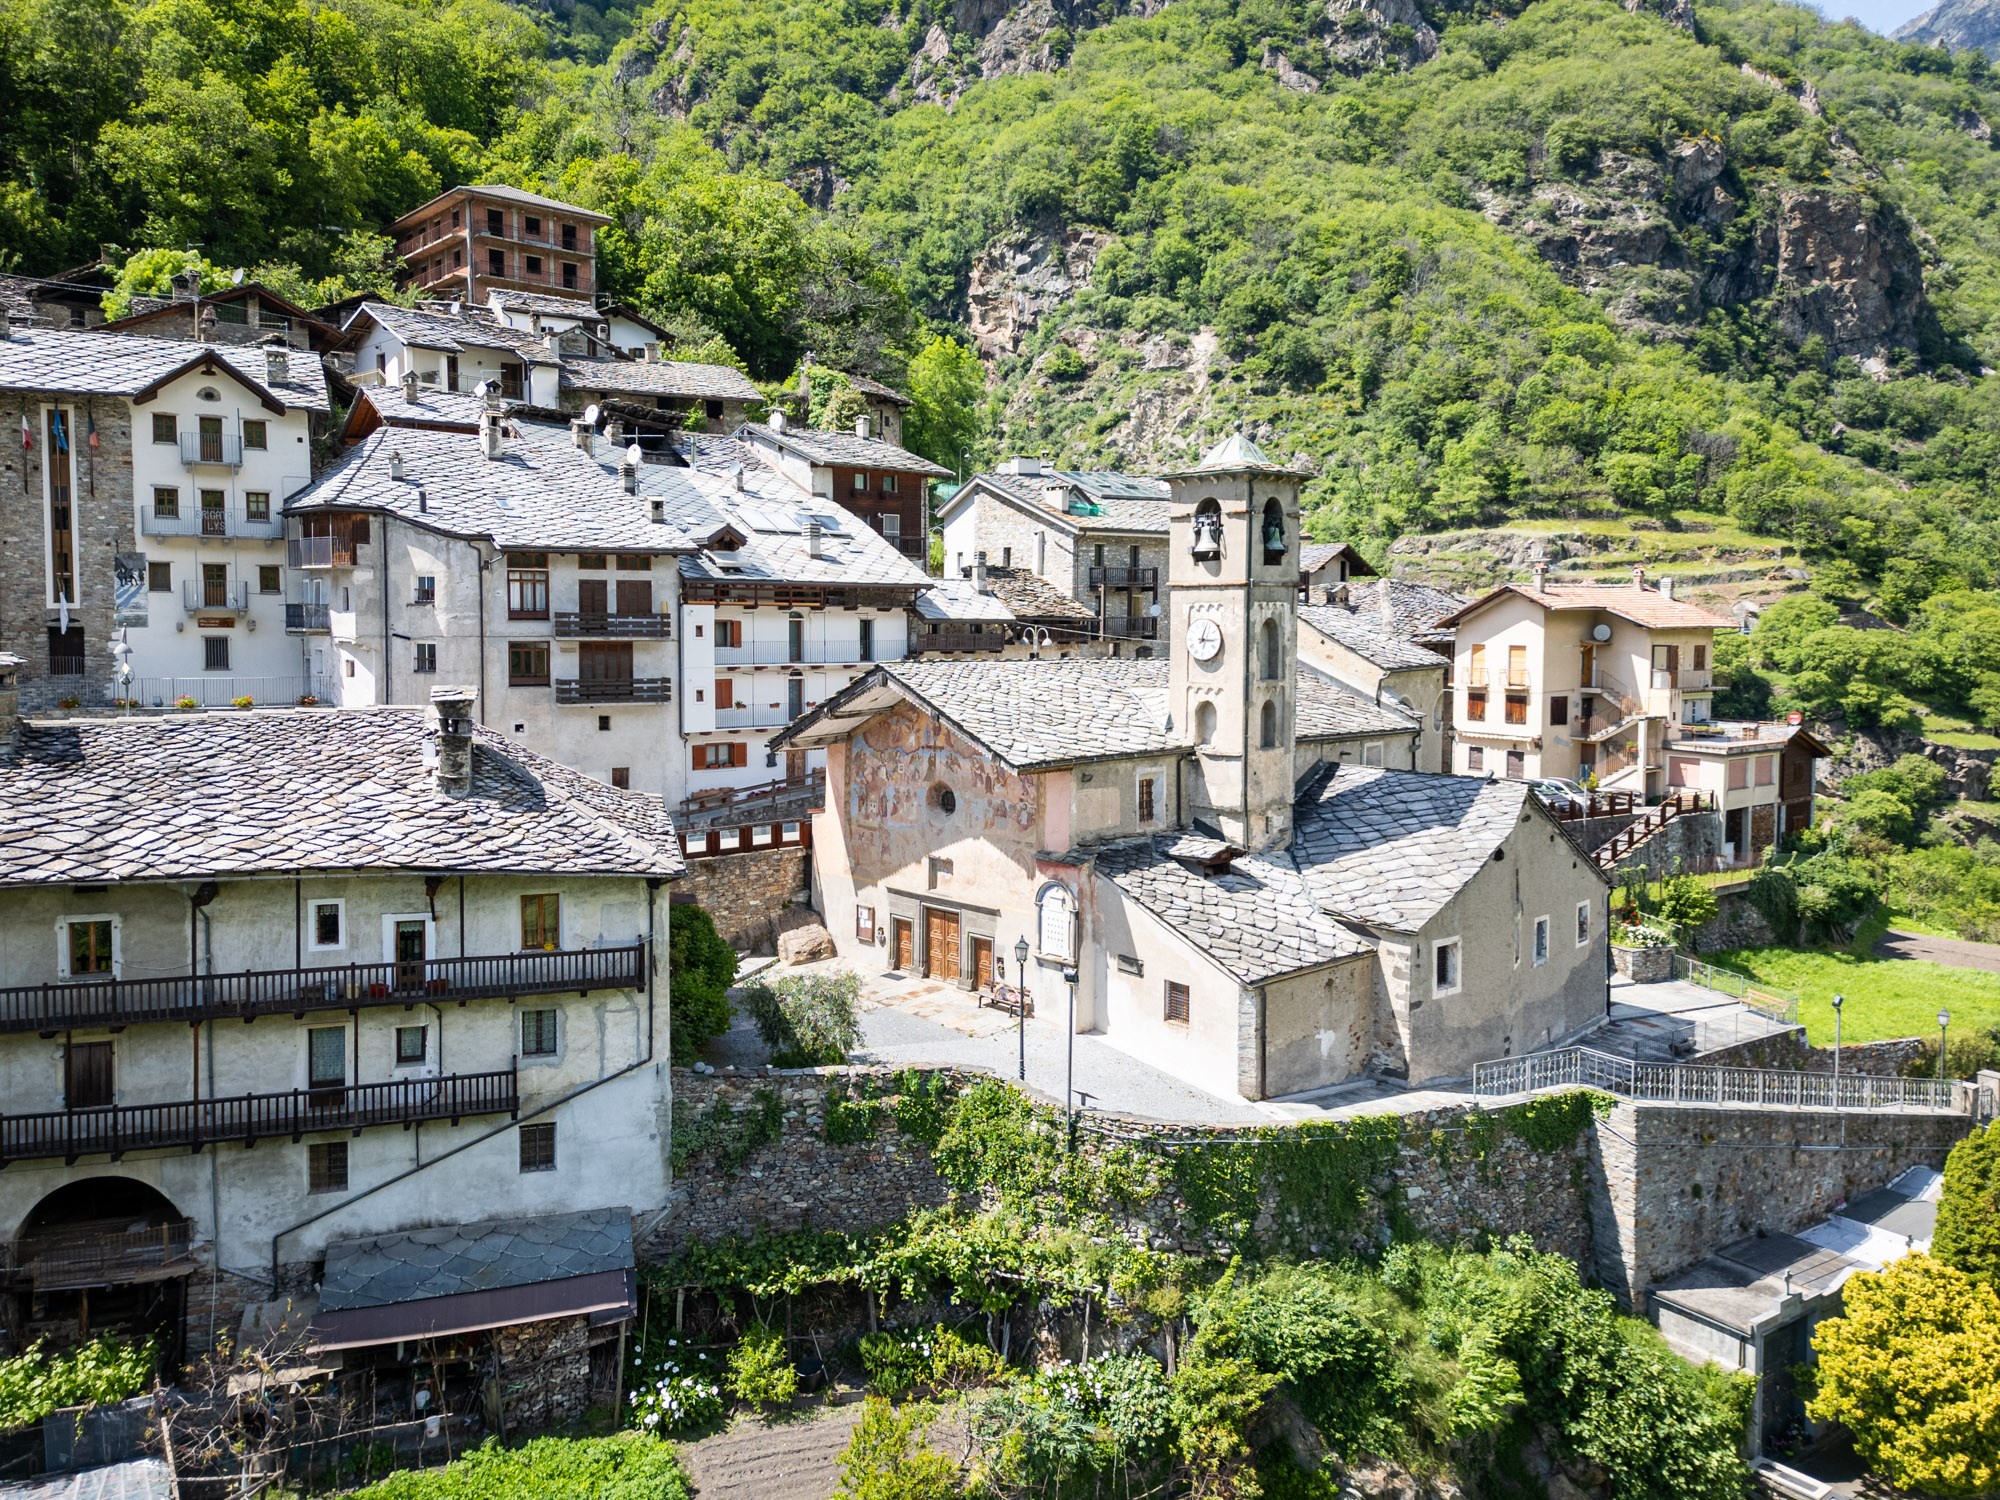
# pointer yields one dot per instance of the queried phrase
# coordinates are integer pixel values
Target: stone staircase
(1649, 822)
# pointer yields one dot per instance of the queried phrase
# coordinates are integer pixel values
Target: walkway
(1953, 952)
(1674, 1021)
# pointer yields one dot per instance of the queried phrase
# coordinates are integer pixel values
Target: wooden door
(592, 596)
(87, 1075)
(635, 596)
(795, 765)
(410, 955)
(904, 941)
(940, 944)
(982, 963)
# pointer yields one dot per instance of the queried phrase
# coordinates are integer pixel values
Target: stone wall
(1672, 1183)
(1788, 1050)
(1690, 842)
(1736, 924)
(1643, 965)
(745, 894)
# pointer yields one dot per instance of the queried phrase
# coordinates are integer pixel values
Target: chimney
(410, 387)
(736, 478)
(580, 434)
(1638, 575)
(777, 420)
(1667, 586)
(864, 426)
(277, 364)
(204, 327)
(423, 502)
(810, 531)
(10, 698)
(396, 465)
(1023, 466)
(1541, 571)
(659, 511)
(451, 711)
(628, 471)
(980, 583)
(614, 432)
(489, 434)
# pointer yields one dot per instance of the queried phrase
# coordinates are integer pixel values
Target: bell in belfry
(1274, 530)
(1207, 533)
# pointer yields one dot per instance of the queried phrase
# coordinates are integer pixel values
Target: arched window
(1267, 737)
(1204, 722)
(1273, 531)
(1055, 912)
(1270, 660)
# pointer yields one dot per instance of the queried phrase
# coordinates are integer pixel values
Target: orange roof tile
(1642, 606)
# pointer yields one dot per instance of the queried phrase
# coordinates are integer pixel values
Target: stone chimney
(1666, 586)
(628, 471)
(810, 531)
(491, 438)
(451, 713)
(277, 364)
(1541, 572)
(396, 465)
(736, 478)
(659, 510)
(864, 426)
(580, 434)
(1638, 575)
(777, 420)
(204, 326)
(980, 583)
(10, 698)
(410, 387)
(614, 431)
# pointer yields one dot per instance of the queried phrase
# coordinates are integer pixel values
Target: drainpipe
(386, 694)
(480, 577)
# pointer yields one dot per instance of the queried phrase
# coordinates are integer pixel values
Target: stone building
(1325, 566)
(1184, 849)
(469, 242)
(1367, 655)
(149, 476)
(298, 977)
(887, 486)
(706, 398)
(453, 347)
(247, 313)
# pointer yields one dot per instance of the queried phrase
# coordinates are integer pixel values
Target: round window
(943, 802)
(209, 393)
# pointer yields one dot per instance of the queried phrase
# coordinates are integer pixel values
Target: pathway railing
(1676, 1083)
(1779, 1005)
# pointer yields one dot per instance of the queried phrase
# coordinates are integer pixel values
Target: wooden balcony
(924, 642)
(249, 1118)
(578, 625)
(280, 992)
(1131, 627)
(1125, 578)
(104, 1252)
(614, 690)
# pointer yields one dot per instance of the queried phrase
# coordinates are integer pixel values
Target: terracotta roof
(506, 195)
(1642, 606)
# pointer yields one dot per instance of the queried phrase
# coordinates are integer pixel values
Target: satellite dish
(633, 455)
(482, 388)
(236, 277)
(1600, 633)
(590, 414)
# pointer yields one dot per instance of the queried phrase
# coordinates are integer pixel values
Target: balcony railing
(210, 522)
(1124, 578)
(247, 994)
(779, 654)
(101, 1252)
(615, 690)
(248, 1118)
(574, 624)
(216, 690)
(1685, 680)
(319, 552)
(199, 594)
(1475, 677)
(925, 641)
(212, 450)
(1131, 627)
(306, 619)
(755, 716)
(1517, 682)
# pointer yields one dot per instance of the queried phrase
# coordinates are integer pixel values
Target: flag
(27, 435)
(56, 428)
(90, 421)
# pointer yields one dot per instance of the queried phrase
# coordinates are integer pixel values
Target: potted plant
(72, 701)
(307, 700)
(245, 701)
(187, 702)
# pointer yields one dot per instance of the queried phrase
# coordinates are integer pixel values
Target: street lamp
(1069, 1083)
(1838, 1001)
(1021, 999)
(1944, 1021)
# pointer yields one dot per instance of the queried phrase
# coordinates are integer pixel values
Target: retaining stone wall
(1643, 965)
(745, 894)
(1736, 924)
(1692, 841)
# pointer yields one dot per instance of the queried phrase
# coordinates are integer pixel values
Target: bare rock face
(804, 945)
(1289, 76)
(1674, 12)
(1363, 35)
(1846, 272)
(1016, 281)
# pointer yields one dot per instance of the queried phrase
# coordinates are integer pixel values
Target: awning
(608, 1297)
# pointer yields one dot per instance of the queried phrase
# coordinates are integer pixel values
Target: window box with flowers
(187, 703)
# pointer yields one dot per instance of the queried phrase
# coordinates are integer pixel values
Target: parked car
(1562, 795)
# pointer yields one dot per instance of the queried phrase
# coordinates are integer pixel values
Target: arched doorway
(103, 1254)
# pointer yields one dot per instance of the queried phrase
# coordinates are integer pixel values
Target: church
(1226, 856)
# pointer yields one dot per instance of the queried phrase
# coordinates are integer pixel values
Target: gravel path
(758, 1460)
(1954, 952)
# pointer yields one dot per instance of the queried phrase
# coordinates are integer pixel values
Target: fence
(1674, 1083)
(1779, 1005)
(218, 691)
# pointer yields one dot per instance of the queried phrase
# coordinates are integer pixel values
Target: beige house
(1758, 777)
(1569, 680)
(1220, 852)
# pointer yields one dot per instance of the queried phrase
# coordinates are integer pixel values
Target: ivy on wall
(722, 1136)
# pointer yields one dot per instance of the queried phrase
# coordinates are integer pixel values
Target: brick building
(472, 241)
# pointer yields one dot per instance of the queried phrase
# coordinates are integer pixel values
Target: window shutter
(739, 755)
(696, 754)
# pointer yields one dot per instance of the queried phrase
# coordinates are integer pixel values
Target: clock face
(1204, 639)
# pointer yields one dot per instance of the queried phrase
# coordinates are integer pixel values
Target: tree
(1908, 1369)
(1686, 902)
(155, 273)
(701, 967)
(946, 388)
(1968, 1220)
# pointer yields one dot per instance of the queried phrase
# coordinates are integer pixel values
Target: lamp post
(1838, 1001)
(1069, 1081)
(1944, 1021)
(1021, 999)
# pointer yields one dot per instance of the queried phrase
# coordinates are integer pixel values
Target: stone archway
(102, 1253)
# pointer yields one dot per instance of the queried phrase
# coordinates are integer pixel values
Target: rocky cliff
(1956, 24)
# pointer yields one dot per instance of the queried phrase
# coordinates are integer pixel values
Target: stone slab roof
(432, 406)
(957, 599)
(1410, 610)
(284, 791)
(542, 493)
(506, 195)
(1369, 638)
(1258, 922)
(844, 448)
(1013, 594)
(78, 362)
(547, 306)
(1316, 555)
(422, 328)
(769, 515)
(1126, 504)
(1390, 849)
(658, 377)
(448, 1261)
(878, 390)
(1642, 606)
(1327, 711)
(1236, 454)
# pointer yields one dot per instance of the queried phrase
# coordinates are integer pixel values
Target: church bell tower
(1233, 588)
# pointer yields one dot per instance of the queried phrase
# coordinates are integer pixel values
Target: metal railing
(199, 594)
(610, 625)
(208, 521)
(218, 690)
(218, 450)
(99, 1253)
(614, 690)
(319, 552)
(1779, 1005)
(765, 799)
(248, 994)
(193, 1123)
(779, 654)
(1599, 805)
(1678, 1083)
(1107, 577)
(1130, 627)
(307, 618)
(755, 716)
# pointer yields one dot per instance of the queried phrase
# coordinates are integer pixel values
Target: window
(538, 1033)
(528, 664)
(725, 692)
(1177, 1003)
(1559, 709)
(89, 946)
(1055, 928)
(326, 1167)
(256, 435)
(215, 653)
(1517, 708)
(1148, 810)
(1475, 704)
(528, 586)
(166, 503)
(569, 236)
(891, 526)
(590, 562)
(538, 1148)
(1541, 949)
(325, 920)
(1475, 667)
(270, 579)
(1517, 764)
(426, 657)
(495, 222)
(1444, 967)
(604, 723)
(1006, 557)
(720, 757)
(860, 481)
(621, 778)
(888, 484)
(1270, 659)
(160, 578)
(1130, 964)
(1739, 774)
(634, 562)
(256, 505)
(1767, 770)
(1475, 757)
(496, 262)
(1701, 658)
(1267, 734)
(541, 921)
(326, 1057)
(427, 589)
(1371, 753)
(569, 276)
(1582, 923)
(534, 264)
(530, 224)
(166, 428)
(866, 651)
(410, 1044)
(1517, 666)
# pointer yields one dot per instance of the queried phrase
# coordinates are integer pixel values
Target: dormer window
(1207, 538)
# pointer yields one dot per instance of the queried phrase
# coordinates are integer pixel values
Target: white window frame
(62, 946)
(540, 1059)
(1371, 753)
(1045, 899)
(348, 1070)
(313, 904)
(389, 921)
(1583, 924)
(1541, 942)
(1439, 992)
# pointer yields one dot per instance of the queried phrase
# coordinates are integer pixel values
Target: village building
(68, 299)
(468, 242)
(1368, 656)
(1758, 778)
(294, 980)
(887, 486)
(1005, 611)
(705, 398)
(453, 349)
(247, 313)
(146, 513)
(1193, 865)
(1325, 566)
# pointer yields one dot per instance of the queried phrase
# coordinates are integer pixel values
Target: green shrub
(1686, 902)
(932, 1359)
(886, 1458)
(1968, 1218)
(701, 968)
(35, 1382)
(808, 1020)
(761, 1371)
(625, 1466)
(675, 1388)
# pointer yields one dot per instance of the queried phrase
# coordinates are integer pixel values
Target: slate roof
(1236, 454)
(1259, 921)
(1369, 638)
(1413, 610)
(420, 1264)
(507, 195)
(1391, 848)
(770, 513)
(1327, 711)
(547, 306)
(1014, 594)
(1316, 555)
(658, 377)
(957, 599)
(542, 492)
(878, 390)
(421, 328)
(281, 791)
(457, 408)
(1642, 606)
(1127, 504)
(79, 362)
(845, 448)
